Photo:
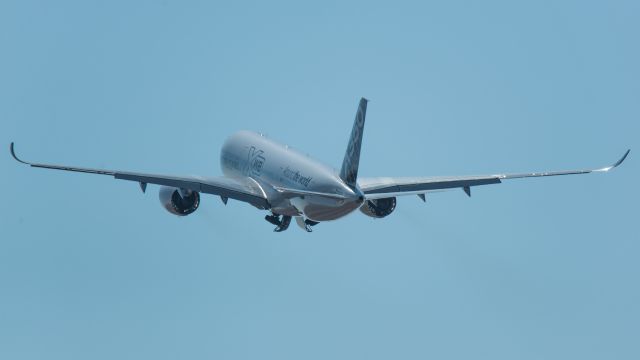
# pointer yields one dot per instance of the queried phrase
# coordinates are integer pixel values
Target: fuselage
(275, 167)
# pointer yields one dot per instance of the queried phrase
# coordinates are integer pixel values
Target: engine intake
(179, 201)
(379, 208)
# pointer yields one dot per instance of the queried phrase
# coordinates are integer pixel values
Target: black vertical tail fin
(349, 171)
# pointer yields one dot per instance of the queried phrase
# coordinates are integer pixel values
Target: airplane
(273, 177)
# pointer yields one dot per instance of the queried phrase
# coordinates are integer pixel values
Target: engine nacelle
(178, 201)
(379, 208)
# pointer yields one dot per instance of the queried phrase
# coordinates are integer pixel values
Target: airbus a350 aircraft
(273, 177)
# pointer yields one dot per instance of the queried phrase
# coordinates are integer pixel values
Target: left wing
(242, 189)
(378, 188)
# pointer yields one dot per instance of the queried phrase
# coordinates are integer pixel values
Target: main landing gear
(280, 221)
(305, 224)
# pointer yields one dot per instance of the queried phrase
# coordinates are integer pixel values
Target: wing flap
(377, 188)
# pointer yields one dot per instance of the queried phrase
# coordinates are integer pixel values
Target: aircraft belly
(286, 210)
(318, 208)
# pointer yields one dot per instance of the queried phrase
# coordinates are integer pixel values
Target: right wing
(378, 188)
(242, 189)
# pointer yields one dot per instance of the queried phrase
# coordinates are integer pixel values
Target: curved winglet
(13, 153)
(622, 158)
(616, 164)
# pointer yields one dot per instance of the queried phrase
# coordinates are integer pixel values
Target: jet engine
(379, 208)
(179, 202)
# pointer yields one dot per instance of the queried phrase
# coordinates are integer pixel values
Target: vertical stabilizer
(349, 171)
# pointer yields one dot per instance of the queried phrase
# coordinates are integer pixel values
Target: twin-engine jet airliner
(288, 184)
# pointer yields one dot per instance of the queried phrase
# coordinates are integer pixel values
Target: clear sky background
(91, 268)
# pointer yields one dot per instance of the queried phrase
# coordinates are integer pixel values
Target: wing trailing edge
(238, 189)
(377, 188)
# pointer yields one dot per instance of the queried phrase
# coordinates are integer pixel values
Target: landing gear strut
(280, 221)
(305, 224)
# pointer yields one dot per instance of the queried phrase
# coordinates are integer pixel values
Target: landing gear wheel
(274, 219)
(308, 224)
(284, 224)
(305, 224)
(281, 222)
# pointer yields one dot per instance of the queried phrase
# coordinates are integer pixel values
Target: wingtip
(617, 163)
(622, 158)
(13, 154)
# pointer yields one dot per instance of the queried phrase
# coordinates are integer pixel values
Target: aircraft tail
(351, 162)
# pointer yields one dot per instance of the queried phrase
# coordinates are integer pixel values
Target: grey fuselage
(288, 178)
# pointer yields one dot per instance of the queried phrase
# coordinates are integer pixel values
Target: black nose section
(361, 198)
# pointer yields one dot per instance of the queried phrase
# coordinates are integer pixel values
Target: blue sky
(529, 269)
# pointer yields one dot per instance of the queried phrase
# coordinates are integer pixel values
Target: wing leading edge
(378, 188)
(245, 190)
